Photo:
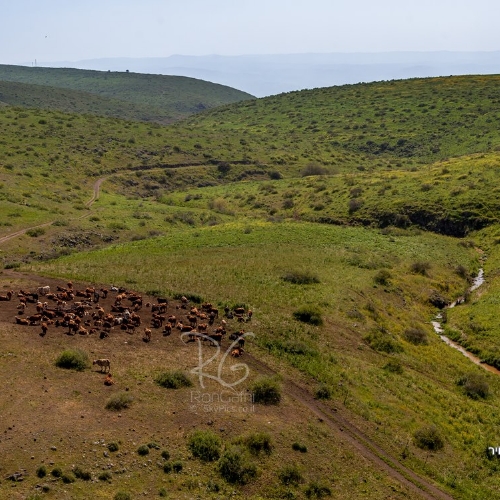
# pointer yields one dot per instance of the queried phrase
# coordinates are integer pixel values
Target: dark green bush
(41, 471)
(416, 336)
(167, 467)
(235, 468)
(113, 447)
(56, 472)
(474, 386)
(323, 392)
(428, 438)
(300, 278)
(290, 475)
(309, 314)
(143, 450)
(73, 359)
(105, 476)
(382, 277)
(82, 474)
(382, 342)
(313, 169)
(420, 268)
(317, 490)
(119, 401)
(165, 454)
(173, 380)
(122, 495)
(393, 366)
(299, 447)
(205, 445)
(177, 466)
(68, 478)
(266, 390)
(258, 442)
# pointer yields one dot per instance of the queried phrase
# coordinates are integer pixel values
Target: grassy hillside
(359, 205)
(155, 98)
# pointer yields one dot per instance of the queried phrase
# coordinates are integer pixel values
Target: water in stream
(477, 282)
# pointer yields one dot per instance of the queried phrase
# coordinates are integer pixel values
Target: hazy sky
(72, 30)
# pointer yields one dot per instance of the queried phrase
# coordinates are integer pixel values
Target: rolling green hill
(361, 206)
(156, 98)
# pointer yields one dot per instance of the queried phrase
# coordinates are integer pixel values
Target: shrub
(113, 447)
(475, 386)
(177, 466)
(428, 438)
(317, 490)
(275, 175)
(290, 475)
(68, 478)
(105, 476)
(393, 366)
(382, 277)
(266, 390)
(235, 468)
(420, 268)
(73, 359)
(167, 467)
(309, 314)
(56, 472)
(382, 342)
(299, 447)
(35, 232)
(313, 169)
(300, 278)
(41, 471)
(323, 392)
(119, 401)
(143, 450)
(165, 454)
(173, 380)
(354, 205)
(82, 474)
(259, 442)
(416, 336)
(122, 495)
(205, 445)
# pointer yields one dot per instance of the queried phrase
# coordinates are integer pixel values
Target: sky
(74, 30)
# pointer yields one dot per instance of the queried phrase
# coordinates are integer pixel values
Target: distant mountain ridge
(263, 75)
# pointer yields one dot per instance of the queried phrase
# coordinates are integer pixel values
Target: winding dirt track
(95, 196)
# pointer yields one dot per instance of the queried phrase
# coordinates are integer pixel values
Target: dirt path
(88, 204)
(355, 437)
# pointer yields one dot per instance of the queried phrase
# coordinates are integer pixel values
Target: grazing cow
(167, 330)
(43, 290)
(8, 296)
(237, 352)
(22, 321)
(109, 380)
(103, 364)
(44, 329)
(239, 310)
(147, 335)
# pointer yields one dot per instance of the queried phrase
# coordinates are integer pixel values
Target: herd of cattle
(82, 312)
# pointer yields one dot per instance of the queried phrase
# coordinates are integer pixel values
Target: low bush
(82, 474)
(474, 386)
(143, 450)
(205, 445)
(300, 278)
(299, 447)
(173, 380)
(167, 467)
(393, 366)
(323, 392)
(113, 447)
(68, 478)
(313, 169)
(177, 466)
(56, 472)
(119, 401)
(73, 359)
(266, 390)
(165, 454)
(382, 277)
(309, 314)
(41, 471)
(122, 495)
(428, 438)
(290, 475)
(416, 336)
(420, 268)
(258, 442)
(382, 342)
(104, 476)
(317, 490)
(235, 467)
